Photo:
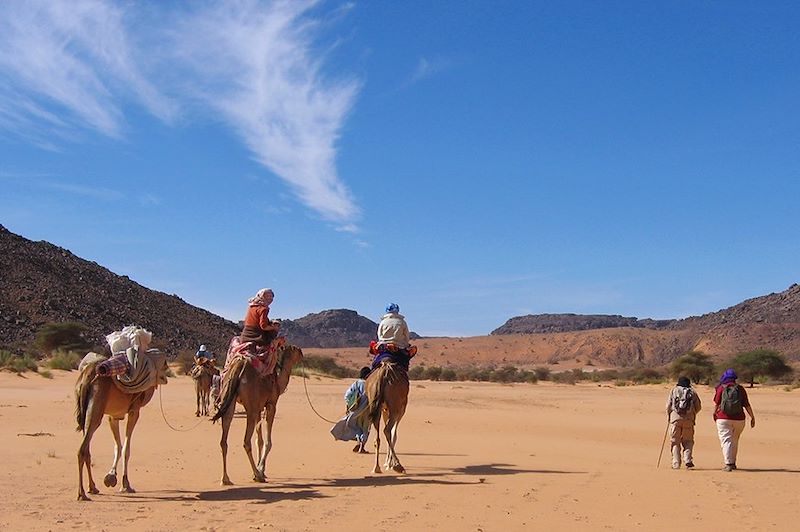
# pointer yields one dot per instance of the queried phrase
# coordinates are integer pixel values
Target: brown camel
(202, 377)
(244, 385)
(387, 392)
(96, 396)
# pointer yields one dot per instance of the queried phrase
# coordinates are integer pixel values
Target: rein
(305, 386)
(160, 404)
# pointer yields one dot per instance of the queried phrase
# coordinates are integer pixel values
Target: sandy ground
(479, 456)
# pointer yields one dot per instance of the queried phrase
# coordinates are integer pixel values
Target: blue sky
(471, 161)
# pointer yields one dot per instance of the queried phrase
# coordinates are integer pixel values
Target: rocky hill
(43, 283)
(771, 321)
(330, 328)
(555, 323)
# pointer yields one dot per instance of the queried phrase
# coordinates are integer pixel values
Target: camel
(244, 385)
(202, 387)
(387, 392)
(96, 396)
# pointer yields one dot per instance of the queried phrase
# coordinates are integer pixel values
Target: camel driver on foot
(683, 404)
(257, 326)
(393, 339)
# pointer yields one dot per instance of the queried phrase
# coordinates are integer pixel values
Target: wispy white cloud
(70, 64)
(68, 67)
(256, 65)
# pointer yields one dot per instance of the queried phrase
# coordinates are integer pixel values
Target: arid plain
(479, 456)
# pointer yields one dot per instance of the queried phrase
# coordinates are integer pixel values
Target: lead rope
(168, 423)
(305, 377)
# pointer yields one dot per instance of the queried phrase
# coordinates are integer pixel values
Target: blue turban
(392, 307)
(729, 375)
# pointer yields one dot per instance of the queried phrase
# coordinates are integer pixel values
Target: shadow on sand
(504, 469)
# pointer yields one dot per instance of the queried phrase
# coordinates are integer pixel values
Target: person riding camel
(393, 339)
(258, 328)
(204, 358)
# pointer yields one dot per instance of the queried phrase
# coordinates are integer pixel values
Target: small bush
(327, 366)
(542, 373)
(46, 373)
(66, 336)
(566, 377)
(66, 360)
(17, 363)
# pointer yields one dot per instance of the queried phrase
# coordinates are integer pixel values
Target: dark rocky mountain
(330, 328)
(42, 283)
(554, 323)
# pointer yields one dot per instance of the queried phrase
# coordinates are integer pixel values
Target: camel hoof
(127, 490)
(399, 468)
(377, 470)
(110, 480)
(94, 491)
(83, 497)
(225, 482)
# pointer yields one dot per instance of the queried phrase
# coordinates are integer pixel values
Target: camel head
(289, 356)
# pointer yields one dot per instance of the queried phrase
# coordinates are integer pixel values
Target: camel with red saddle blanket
(256, 391)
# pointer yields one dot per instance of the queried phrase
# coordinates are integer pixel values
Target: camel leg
(376, 424)
(110, 479)
(392, 461)
(203, 401)
(197, 395)
(266, 447)
(94, 416)
(133, 417)
(252, 420)
(227, 418)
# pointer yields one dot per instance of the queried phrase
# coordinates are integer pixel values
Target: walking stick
(662, 445)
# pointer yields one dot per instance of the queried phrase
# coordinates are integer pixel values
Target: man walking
(683, 404)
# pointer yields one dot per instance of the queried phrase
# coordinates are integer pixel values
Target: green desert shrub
(325, 365)
(66, 360)
(695, 365)
(66, 336)
(17, 363)
(542, 373)
(760, 365)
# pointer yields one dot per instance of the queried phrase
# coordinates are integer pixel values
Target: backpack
(683, 401)
(731, 401)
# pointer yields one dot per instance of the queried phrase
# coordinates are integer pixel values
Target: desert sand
(479, 456)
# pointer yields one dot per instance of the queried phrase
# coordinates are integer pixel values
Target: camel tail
(83, 392)
(230, 388)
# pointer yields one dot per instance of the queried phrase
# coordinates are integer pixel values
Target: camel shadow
(767, 470)
(261, 494)
(504, 469)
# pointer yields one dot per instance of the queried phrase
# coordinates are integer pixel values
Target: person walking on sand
(731, 402)
(683, 404)
(352, 426)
